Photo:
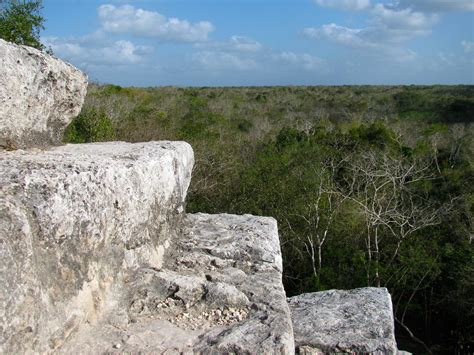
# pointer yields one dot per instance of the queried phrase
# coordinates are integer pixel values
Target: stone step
(75, 221)
(220, 291)
(354, 321)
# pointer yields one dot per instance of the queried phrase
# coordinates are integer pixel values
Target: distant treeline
(371, 185)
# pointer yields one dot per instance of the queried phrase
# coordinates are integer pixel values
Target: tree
(21, 22)
(322, 202)
(384, 187)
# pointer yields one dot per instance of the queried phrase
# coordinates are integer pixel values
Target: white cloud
(405, 19)
(234, 44)
(442, 61)
(437, 5)
(301, 60)
(143, 23)
(387, 26)
(237, 53)
(245, 44)
(396, 26)
(371, 41)
(344, 4)
(219, 61)
(351, 37)
(417, 5)
(83, 52)
(245, 54)
(468, 46)
(388, 29)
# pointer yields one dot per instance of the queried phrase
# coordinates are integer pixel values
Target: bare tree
(383, 189)
(320, 211)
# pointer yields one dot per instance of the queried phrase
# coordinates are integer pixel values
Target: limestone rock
(334, 321)
(39, 97)
(249, 244)
(75, 222)
(219, 292)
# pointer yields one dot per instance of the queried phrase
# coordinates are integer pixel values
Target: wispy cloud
(216, 61)
(352, 5)
(388, 28)
(468, 46)
(402, 24)
(371, 41)
(351, 37)
(246, 54)
(234, 44)
(85, 51)
(437, 5)
(142, 23)
(301, 60)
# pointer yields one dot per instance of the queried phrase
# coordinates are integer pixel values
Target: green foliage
(113, 89)
(418, 116)
(21, 22)
(459, 111)
(375, 134)
(90, 126)
(289, 136)
(434, 129)
(244, 125)
(411, 99)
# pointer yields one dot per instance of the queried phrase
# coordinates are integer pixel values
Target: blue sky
(264, 42)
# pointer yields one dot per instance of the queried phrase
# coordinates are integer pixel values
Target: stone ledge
(335, 321)
(74, 222)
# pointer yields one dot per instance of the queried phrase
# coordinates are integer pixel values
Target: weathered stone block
(220, 292)
(39, 96)
(229, 245)
(75, 222)
(354, 321)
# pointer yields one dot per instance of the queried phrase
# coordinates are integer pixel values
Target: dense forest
(371, 186)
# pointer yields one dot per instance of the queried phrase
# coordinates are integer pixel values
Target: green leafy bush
(90, 126)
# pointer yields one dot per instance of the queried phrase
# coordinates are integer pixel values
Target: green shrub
(244, 125)
(90, 126)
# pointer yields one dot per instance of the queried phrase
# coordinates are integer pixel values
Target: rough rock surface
(39, 96)
(359, 320)
(219, 292)
(75, 222)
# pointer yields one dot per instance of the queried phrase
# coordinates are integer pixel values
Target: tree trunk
(377, 256)
(369, 255)
(320, 261)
